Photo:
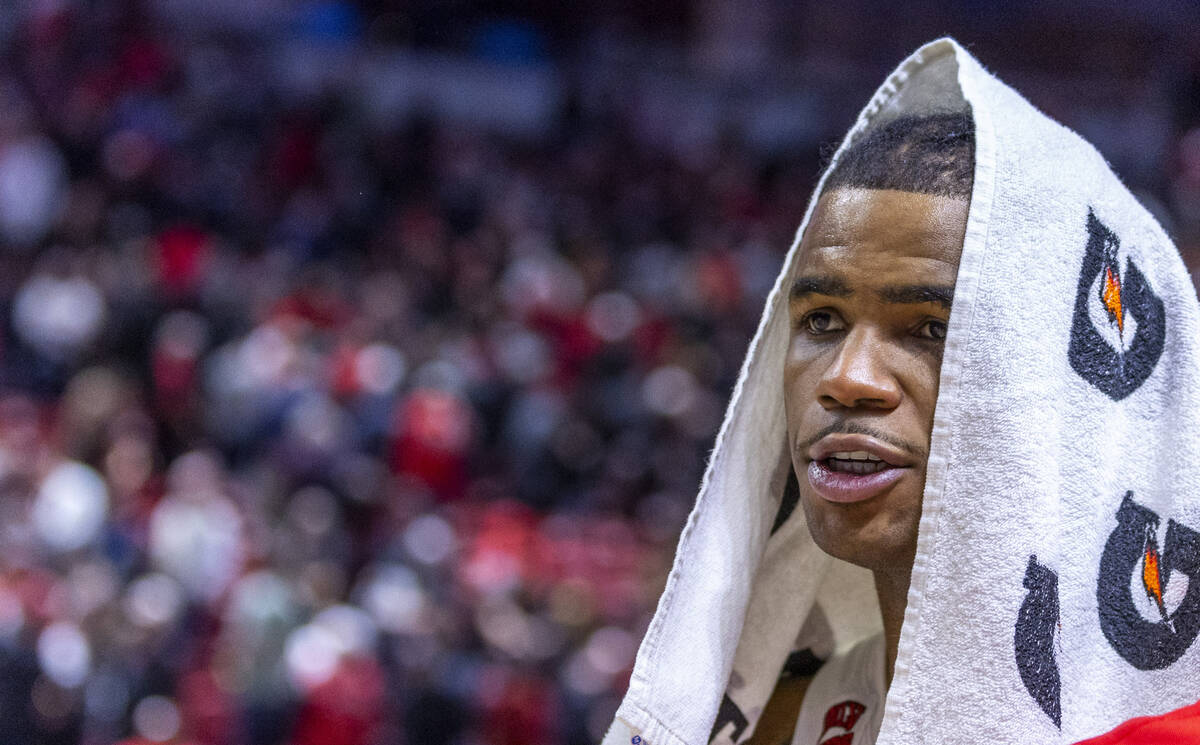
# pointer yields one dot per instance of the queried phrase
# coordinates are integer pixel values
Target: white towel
(1065, 456)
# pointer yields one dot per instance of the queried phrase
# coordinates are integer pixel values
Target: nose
(860, 374)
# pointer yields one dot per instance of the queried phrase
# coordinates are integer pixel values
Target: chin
(878, 534)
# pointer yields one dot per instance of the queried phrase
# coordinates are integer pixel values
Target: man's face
(869, 312)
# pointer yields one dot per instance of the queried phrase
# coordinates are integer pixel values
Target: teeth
(860, 467)
(856, 455)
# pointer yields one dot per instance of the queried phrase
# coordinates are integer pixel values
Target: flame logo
(1106, 279)
(1110, 295)
(1152, 576)
(1146, 644)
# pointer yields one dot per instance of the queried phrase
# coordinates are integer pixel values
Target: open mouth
(860, 467)
(851, 480)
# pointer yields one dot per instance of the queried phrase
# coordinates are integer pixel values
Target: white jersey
(844, 703)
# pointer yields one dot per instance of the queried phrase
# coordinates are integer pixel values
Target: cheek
(926, 382)
(802, 368)
(799, 387)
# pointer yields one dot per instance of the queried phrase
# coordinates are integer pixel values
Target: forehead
(877, 232)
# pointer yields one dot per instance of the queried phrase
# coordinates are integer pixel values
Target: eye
(937, 330)
(819, 322)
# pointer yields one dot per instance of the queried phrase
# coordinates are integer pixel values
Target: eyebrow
(809, 284)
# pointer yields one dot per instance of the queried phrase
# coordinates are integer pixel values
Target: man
(978, 376)
(869, 310)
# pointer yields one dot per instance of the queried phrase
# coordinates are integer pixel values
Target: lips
(844, 487)
(837, 486)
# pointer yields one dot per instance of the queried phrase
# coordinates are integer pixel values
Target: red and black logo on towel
(841, 716)
(1147, 597)
(1119, 324)
(1149, 614)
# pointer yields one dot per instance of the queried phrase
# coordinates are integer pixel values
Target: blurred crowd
(314, 430)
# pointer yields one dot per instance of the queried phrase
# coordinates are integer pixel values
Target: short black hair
(931, 154)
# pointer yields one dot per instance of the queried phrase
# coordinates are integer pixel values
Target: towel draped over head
(1056, 587)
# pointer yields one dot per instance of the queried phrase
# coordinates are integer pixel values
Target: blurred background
(359, 361)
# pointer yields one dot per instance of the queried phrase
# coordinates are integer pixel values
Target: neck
(891, 587)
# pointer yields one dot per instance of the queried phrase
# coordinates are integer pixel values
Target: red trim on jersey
(1179, 727)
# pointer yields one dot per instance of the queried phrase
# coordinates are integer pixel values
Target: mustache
(852, 427)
